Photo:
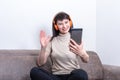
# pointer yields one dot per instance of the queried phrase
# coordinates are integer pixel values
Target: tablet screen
(76, 34)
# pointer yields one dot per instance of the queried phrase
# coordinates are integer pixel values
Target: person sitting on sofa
(63, 51)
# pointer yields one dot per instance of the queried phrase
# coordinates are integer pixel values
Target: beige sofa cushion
(16, 64)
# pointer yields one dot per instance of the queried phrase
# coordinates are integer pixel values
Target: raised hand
(44, 40)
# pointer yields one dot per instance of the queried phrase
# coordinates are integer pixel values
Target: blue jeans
(37, 73)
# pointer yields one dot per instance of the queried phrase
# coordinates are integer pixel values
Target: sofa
(16, 65)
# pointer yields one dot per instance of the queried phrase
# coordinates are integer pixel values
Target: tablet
(76, 34)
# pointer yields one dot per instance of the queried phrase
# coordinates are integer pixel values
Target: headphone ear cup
(71, 23)
(56, 27)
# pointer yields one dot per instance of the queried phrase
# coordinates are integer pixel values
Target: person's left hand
(76, 48)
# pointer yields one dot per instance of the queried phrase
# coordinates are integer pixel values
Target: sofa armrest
(111, 72)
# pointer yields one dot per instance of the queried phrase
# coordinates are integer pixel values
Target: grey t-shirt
(64, 61)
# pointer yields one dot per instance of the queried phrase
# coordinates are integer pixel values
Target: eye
(66, 22)
(59, 24)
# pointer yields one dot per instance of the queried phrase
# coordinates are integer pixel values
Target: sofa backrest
(93, 67)
(16, 64)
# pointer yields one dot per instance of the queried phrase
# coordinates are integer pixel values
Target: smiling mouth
(64, 29)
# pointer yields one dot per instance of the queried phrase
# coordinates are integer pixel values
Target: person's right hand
(44, 40)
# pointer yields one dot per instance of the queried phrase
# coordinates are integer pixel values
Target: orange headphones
(56, 27)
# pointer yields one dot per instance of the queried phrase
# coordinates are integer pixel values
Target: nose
(64, 25)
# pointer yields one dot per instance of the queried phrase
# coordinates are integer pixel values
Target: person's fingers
(73, 42)
(72, 46)
(73, 50)
(42, 33)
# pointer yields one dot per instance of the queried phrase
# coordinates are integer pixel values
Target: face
(63, 26)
